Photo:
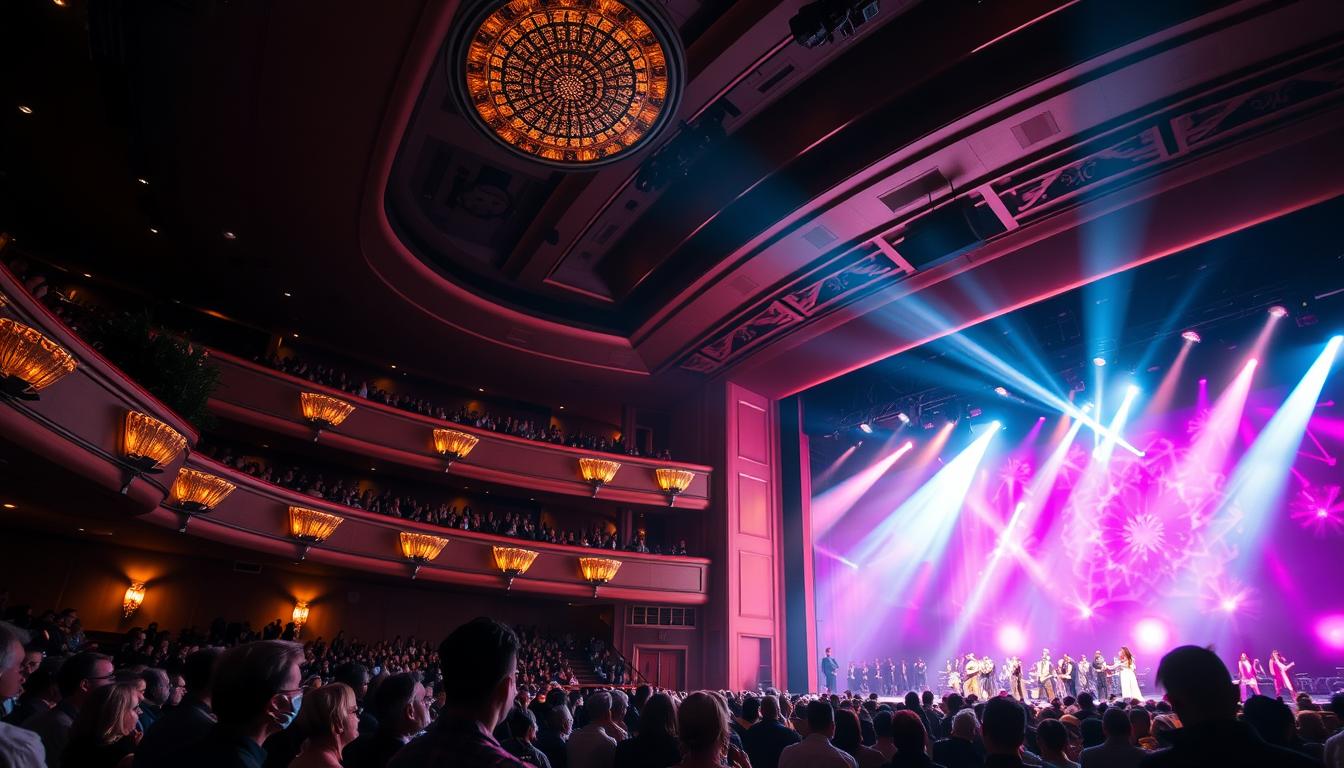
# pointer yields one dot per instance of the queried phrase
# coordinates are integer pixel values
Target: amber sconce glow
(673, 481)
(196, 493)
(148, 445)
(130, 602)
(513, 562)
(567, 82)
(598, 472)
(323, 411)
(310, 527)
(300, 615)
(598, 570)
(453, 445)
(421, 548)
(29, 361)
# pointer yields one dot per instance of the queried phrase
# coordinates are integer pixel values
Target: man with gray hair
(554, 735)
(959, 749)
(594, 745)
(620, 706)
(19, 748)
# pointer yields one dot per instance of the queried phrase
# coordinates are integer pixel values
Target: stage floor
(1323, 700)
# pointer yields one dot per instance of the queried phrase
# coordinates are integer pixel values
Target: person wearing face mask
(480, 668)
(401, 708)
(255, 694)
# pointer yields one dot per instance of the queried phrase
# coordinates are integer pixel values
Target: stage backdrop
(1227, 531)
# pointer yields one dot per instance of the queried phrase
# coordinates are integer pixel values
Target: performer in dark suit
(1072, 683)
(920, 680)
(829, 666)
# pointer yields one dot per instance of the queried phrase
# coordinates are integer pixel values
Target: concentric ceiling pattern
(568, 82)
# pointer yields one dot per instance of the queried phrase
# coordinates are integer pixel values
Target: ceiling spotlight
(996, 424)
(229, 235)
(1001, 391)
(1278, 310)
(480, 389)
(153, 231)
(1099, 361)
(903, 418)
(562, 407)
(288, 294)
(7, 505)
(394, 367)
(1192, 337)
(295, 335)
(1229, 604)
(867, 428)
(86, 274)
(1321, 513)
(25, 109)
(143, 180)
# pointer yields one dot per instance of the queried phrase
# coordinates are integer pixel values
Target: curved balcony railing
(79, 423)
(269, 399)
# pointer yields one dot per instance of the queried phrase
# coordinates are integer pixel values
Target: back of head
(751, 708)
(1140, 721)
(1005, 724)
(770, 709)
(955, 703)
(560, 720)
(1198, 685)
(964, 724)
(912, 700)
(1051, 734)
(197, 670)
(1337, 705)
(352, 674)
(1271, 718)
(597, 705)
(907, 732)
(1116, 724)
(521, 721)
(1085, 701)
(659, 716)
(882, 724)
(820, 716)
(642, 694)
(847, 733)
(1092, 732)
(248, 676)
(474, 659)
(702, 725)
(619, 704)
(325, 710)
(394, 694)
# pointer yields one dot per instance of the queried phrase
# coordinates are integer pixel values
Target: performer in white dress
(1129, 680)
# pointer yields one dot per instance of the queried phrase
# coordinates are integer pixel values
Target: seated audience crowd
(346, 491)
(232, 697)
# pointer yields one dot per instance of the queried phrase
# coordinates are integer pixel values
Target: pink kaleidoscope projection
(1064, 542)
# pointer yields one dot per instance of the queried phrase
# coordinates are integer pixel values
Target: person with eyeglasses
(256, 692)
(78, 678)
(186, 723)
(400, 706)
(19, 748)
(105, 732)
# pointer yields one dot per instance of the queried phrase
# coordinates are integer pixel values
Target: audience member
(702, 729)
(1204, 697)
(1003, 729)
(594, 745)
(959, 749)
(479, 661)
(655, 745)
(909, 739)
(330, 720)
(1117, 751)
(400, 707)
(1053, 740)
(156, 693)
(1334, 746)
(849, 739)
(78, 678)
(816, 749)
(764, 741)
(104, 733)
(19, 748)
(554, 737)
(521, 744)
(187, 723)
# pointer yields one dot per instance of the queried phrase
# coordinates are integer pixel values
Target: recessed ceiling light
(86, 274)
(1099, 361)
(60, 4)
(394, 367)
(81, 530)
(143, 180)
(288, 294)
(153, 231)
(25, 109)
(228, 235)
(562, 407)
(295, 335)
(480, 389)
(7, 505)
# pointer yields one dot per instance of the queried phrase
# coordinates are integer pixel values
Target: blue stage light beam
(1252, 494)
(1102, 453)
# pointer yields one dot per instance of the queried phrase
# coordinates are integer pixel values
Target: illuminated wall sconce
(196, 493)
(300, 616)
(673, 481)
(148, 445)
(135, 595)
(598, 472)
(29, 361)
(598, 570)
(513, 562)
(453, 445)
(310, 527)
(324, 412)
(421, 548)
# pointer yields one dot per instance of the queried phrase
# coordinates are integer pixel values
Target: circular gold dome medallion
(568, 82)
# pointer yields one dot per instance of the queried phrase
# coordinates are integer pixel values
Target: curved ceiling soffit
(430, 292)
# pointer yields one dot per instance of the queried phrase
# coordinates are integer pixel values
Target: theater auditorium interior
(671, 382)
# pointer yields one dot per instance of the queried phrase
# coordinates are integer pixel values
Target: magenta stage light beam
(831, 505)
(825, 477)
(1166, 391)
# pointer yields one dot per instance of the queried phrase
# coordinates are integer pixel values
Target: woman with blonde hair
(104, 734)
(330, 719)
(702, 727)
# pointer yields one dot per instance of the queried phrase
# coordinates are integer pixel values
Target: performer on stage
(953, 678)
(1017, 686)
(1129, 678)
(1103, 676)
(920, 679)
(829, 666)
(987, 678)
(1250, 686)
(1045, 676)
(1068, 677)
(892, 679)
(1278, 669)
(863, 678)
(971, 673)
(879, 679)
(852, 680)
(1085, 675)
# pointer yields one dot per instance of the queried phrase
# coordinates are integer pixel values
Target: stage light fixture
(1229, 605)
(25, 109)
(867, 428)
(1322, 513)
(904, 419)
(818, 23)
(1278, 310)
(1192, 337)
(1001, 391)
(1099, 361)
